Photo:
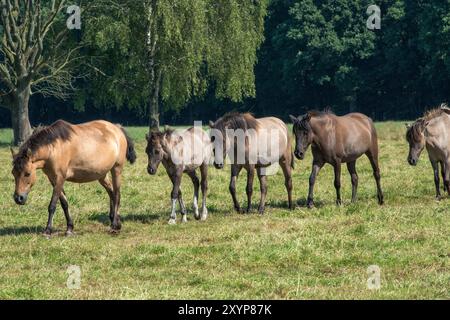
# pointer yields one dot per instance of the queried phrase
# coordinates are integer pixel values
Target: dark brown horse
(76, 153)
(336, 140)
(252, 144)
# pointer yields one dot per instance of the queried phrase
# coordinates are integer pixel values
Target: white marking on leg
(173, 215)
(196, 213)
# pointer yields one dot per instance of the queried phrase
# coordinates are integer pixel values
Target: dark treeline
(316, 54)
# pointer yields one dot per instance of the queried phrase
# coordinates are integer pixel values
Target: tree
(34, 57)
(319, 53)
(172, 51)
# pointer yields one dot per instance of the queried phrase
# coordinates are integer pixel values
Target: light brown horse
(433, 132)
(252, 144)
(181, 152)
(75, 153)
(336, 140)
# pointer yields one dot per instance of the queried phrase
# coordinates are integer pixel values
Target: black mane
(42, 136)
(236, 120)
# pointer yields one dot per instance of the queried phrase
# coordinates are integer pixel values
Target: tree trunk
(19, 115)
(155, 79)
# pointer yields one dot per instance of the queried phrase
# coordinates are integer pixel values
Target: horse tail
(131, 152)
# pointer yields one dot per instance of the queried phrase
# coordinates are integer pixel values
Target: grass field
(301, 254)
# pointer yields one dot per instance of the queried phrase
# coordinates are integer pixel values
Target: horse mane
(436, 112)
(415, 130)
(305, 125)
(236, 120)
(43, 136)
(318, 114)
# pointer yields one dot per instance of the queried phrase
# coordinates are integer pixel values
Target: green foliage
(321, 54)
(200, 43)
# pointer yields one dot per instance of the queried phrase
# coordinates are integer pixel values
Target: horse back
(346, 137)
(93, 150)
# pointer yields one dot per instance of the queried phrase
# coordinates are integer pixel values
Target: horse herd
(88, 152)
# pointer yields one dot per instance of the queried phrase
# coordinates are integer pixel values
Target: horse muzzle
(412, 161)
(218, 165)
(299, 155)
(21, 199)
(151, 171)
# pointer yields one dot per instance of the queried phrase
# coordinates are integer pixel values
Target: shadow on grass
(144, 218)
(16, 231)
(297, 203)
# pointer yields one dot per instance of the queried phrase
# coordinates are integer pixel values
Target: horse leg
(249, 189)
(204, 175)
(196, 183)
(182, 207)
(263, 186)
(447, 175)
(312, 181)
(443, 177)
(176, 180)
(373, 158)
(57, 191)
(235, 170)
(287, 171)
(109, 189)
(116, 173)
(437, 182)
(337, 182)
(351, 166)
(65, 207)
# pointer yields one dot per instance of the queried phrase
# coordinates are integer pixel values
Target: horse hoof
(197, 216)
(69, 233)
(114, 231)
(204, 217)
(310, 205)
(172, 221)
(184, 219)
(47, 235)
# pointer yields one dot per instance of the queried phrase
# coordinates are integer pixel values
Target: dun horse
(181, 153)
(433, 132)
(75, 153)
(336, 140)
(265, 141)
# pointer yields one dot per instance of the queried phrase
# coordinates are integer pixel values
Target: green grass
(301, 254)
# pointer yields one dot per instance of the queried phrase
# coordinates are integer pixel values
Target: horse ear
(293, 119)
(166, 128)
(307, 117)
(407, 125)
(211, 124)
(147, 137)
(29, 153)
(445, 108)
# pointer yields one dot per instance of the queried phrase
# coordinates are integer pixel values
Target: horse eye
(27, 174)
(156, 152)
(213, 139)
